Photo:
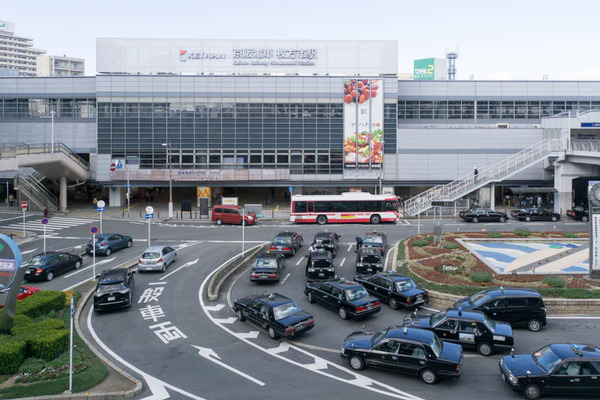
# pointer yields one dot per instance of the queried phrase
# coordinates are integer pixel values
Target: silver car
(157, 258)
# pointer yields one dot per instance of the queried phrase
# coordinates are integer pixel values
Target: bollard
(190, 214)
(140, 214)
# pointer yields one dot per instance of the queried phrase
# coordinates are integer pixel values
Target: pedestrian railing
(12, 150)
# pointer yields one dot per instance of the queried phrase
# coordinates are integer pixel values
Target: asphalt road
(183, 346)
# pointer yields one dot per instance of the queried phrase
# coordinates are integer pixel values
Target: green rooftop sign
(424, 69)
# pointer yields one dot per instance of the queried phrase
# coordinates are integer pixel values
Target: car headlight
(250, 217)
(378, 265)
(311, 269)
(123, 291)
(330, 269)
(359, 264)
(512, 379)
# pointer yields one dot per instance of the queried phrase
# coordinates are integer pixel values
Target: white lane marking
(153, 383)
(250, 335)
(350, 247)
(343, 261)
(299, 261)
(360, 380)
(406, 221)
(78, 247)
(217, 307)
(187, 264)
(77, 284)
(210, 355)
(86, 268)
(284, 346)
(285, 279)
(157, 283)
(229, 320)
(28, 251)
(8, 219)
(386, 261)
(318, 364)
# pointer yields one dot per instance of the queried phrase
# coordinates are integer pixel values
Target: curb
(102, 395)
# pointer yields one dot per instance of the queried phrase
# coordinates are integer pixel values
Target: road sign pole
(101, 222)
(243, 228)
(148, 232)
(93, 255)
(128, 193)
(44, 238)
(24, 223)
(71, 349)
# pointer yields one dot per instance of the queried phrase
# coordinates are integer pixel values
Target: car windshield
(546, 358)
(479, 298)
(356, 293)
(579, 208)
(37, 260)
(270, 263)
(147, 256)
(491, 324)
(437, 345)
(283, 240)
(323, 240)
(285, 310)
(321, 264)
(373, 240)
(370, 259)
(379, 337)
(437, 318)
(405, 285)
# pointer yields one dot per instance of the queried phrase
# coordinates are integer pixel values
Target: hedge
(12, 354)
(48, 344)
(419, 243)
(554, 281)
(494, 235)
(480, 277)
(42, 303)
(451, 246)
(522, 232)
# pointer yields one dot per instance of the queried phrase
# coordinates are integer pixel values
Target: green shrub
(48, 344)
(522, 232)
(420, 243)
(41, 303)
(451, 246)
(12, 354)
(480, 277)
(570, 235)
(554, 281)
(401, 251)
(494, 235)
(22, 323)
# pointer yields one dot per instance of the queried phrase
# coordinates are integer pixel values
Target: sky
(496, 40)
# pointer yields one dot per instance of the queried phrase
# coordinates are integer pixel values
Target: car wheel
(244, 222)
(49, 276)
(534, 325)
(554, 219)
(174, 258)
(375, 219)
(357, 363)
(311, 299)
(485, 349)
(108, 252)
(293, 251)
(343, 313)
(272, 333)
(584, 219)
(475, 219)
(240, 315)
(532, 392)
(321, 220)
(502, 219)
(219, 222)
(429, 376)
(393, 304)
(129, 243)
(77, 264)
(129, 301)
(527, 219)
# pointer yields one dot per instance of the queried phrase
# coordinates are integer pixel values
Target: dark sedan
(408, 350)
(114, 289)
(279, 315)
(536, 214)
(267, 267)
(107, 243)
(579, 213)
(329, 241)
(348, 298)
(483, 214)
(374, 239)
(48, 265)
(395, 289)
(368, 261)
(320, 266)
(571, 369)
(286, 243)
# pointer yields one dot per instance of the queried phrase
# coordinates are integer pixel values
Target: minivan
(225, 214)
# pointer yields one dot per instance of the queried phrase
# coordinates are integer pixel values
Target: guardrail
(11, 150)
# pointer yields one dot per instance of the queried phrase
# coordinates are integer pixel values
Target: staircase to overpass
(55, 162)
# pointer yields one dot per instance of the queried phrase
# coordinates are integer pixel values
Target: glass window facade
(35, 108)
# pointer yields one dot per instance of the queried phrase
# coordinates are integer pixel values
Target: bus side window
(310, 207)
(300, 206)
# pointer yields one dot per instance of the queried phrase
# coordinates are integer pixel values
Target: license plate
(369, 307)
(321, 274)
(263, 276)
(28, 272)
(280, 248)
(298, 327)
(369, 270)
(112, 298)
(419, 297)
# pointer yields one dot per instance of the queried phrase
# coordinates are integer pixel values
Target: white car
(157, 258)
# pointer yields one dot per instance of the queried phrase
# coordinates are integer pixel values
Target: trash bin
(186, 205)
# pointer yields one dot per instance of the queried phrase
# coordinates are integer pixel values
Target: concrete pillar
(493, 196)
(117, 197)
(63, 194)
(485, 196)
(564, 173)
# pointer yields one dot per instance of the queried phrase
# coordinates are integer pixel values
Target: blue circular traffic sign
(94, 229)
(44, 221)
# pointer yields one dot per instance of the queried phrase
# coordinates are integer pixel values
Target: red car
(24, 292)
(230, 214)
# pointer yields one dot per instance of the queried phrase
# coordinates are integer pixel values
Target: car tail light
(140, 261)
(102, 243)
(310, 322)
(159, 260)
(38, 271)
(361, 308)
(408, 300)
(272, 275)
(253, 275)
(290, 329)
(272, 248)
(377, 304)
(287, 248)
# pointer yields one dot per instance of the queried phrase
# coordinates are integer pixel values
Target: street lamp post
(168, 147)
(381, 170)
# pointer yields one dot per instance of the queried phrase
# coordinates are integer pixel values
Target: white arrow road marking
(250, 335)
(186, 244)
(187, 264)
(284, 346)
(285, 279)
(78, 247)
(210, 355)
(218, 307)
(155, 385)
(318, 364)
(28, 251)
(343, 261)
(299, 261)
(86, 268)
(229, 320)
(386, 260)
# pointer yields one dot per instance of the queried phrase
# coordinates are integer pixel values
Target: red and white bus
(347, 207)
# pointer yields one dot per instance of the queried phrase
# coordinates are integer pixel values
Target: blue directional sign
(119, 165)
(100, 209)
(128, 185)
(149, 216)
(291, 188)
(44, 221)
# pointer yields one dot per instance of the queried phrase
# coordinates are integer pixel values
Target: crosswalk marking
(54, 224)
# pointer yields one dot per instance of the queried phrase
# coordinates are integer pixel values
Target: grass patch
(420, 242)
(480, 277)
(494, 235)
(554, 281)
(522, 232)
(570, 235)
(402, 250)
(450, 246)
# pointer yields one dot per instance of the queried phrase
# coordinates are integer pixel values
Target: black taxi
(320, 266)
(279, 315)
(471, 329)
(267, 267)
(286, 243)
(404, 349)
(368, 260)
(330, 241)
(395, 289)
(560, 368)
(375, 239)
(348, 298)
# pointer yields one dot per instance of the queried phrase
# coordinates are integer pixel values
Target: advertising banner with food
(363, 123)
